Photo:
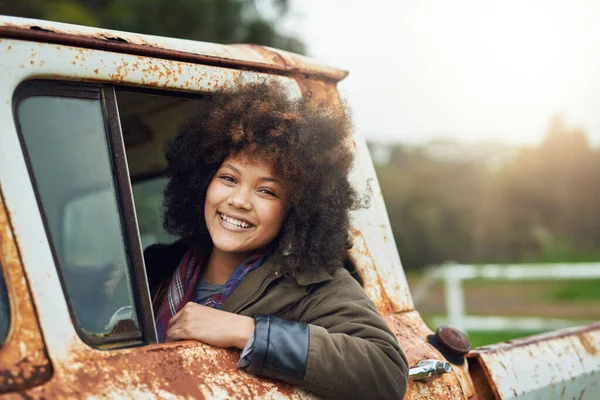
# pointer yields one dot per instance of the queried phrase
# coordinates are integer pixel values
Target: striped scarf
(182, 288)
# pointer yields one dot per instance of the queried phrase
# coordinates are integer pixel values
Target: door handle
(428, 368)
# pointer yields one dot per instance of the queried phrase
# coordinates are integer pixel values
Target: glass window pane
(148, 197)
(4, 309)
(70, 158)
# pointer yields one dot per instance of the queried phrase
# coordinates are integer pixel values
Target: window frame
(5, 287)
(120, 175)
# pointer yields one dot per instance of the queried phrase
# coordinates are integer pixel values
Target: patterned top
(184, 285)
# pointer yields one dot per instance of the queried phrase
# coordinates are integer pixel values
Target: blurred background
(480, 117)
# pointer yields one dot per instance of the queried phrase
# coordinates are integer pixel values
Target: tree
(217, 21)
(548, 199)
(432, 205)
(540, 206)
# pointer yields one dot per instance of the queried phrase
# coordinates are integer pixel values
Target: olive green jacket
(352, 354)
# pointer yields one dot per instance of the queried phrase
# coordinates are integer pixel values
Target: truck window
(149, 119)
(148, 197)
(65, 133)
(4, 309)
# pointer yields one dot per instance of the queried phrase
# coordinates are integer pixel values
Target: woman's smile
(234, 224)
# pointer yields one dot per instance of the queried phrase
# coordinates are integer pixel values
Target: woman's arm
(339, 348)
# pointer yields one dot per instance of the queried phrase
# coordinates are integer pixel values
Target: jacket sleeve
(338, 346)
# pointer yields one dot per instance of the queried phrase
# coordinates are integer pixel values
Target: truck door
(63, 99)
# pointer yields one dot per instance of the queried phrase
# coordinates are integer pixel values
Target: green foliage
(72, 11)
(540, 206)
(217, 21)
(431, 206)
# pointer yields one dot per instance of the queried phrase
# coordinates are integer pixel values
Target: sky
(472, 70)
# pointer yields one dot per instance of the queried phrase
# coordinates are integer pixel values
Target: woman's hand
(211, 326)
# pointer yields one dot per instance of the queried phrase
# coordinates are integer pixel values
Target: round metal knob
(453, 339)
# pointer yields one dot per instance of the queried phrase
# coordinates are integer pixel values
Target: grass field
(479, 339)
(579, 291)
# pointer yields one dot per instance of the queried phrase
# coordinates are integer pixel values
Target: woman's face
(245, 205)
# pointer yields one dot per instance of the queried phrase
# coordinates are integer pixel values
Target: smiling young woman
(259, 192)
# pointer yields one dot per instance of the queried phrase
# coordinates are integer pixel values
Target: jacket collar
(305, 278)
(257, 279)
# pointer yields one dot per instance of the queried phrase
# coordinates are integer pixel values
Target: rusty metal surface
(194, 370)
(374, 252)
(26, 60)
(365, 264)
(232, 56)
(412, 335)
(186, 370)
(23, 359)
(558, 365)
(321, 93)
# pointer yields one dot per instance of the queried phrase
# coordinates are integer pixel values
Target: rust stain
(121, 73)
(96, 71)
(587, 343)
(321, 93)
(23, 358)
(251, 57)
(482, 381)
(365, 266)
(186, 369)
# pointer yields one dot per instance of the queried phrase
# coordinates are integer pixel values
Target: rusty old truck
(85, 114)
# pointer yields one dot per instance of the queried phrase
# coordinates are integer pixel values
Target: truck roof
(239, 56)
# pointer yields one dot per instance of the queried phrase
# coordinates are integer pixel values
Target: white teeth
(234, 222)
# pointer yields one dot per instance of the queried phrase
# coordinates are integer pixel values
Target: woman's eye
(227, 178)
(267, 192)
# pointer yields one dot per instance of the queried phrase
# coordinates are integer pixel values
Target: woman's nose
(240, 199)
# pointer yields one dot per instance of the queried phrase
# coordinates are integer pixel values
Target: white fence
(453, 275)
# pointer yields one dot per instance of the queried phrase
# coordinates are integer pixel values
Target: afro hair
(312, 151)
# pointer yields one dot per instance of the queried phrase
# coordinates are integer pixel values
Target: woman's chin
(230, 248)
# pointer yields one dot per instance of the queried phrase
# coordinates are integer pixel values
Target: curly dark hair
(311, 148)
